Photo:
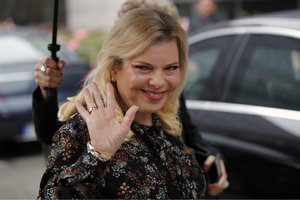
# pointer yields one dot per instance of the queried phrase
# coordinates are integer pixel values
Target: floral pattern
(152, 164)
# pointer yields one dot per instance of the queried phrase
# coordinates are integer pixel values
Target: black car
(243, 94)
(20, 49)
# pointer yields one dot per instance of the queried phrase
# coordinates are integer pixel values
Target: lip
(153, 96)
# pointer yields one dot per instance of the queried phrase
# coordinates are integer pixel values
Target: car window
(15, 49)
(204, 56)
(28, 48)
(268, 73)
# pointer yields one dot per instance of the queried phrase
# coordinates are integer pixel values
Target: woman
(124, 142)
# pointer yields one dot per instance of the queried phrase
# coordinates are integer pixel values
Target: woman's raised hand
(106, 133)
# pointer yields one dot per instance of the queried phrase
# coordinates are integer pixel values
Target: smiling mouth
(154, 96)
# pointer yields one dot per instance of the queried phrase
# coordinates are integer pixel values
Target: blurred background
(83, 22)
(25, 32)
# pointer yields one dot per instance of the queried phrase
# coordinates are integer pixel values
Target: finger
(111, 101)
(50, 70)
(53, 72)
(37, 67)
(208, 163)
(216, 188)
(49, 62)
(44, 84)
(129, 117)
(97, 96)
(223, 168)
(46, 81)
(88, 98)
(53, 83)
(224, 175)
(39, 81)
(49, 77)
(41, 62)
(61, 64)
(82, 111)
(222, 180)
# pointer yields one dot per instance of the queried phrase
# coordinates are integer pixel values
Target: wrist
(44, 94)
(104, 157)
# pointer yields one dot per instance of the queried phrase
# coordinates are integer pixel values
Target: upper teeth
(152, 94)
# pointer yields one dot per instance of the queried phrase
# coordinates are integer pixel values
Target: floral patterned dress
(151, 164)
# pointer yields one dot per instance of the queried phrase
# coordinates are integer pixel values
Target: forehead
(163, 50)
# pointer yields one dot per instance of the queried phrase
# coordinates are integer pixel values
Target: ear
(113, 74)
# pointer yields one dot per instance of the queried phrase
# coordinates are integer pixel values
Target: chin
(150, 110)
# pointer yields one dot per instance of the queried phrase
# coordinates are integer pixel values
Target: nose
(157, 80)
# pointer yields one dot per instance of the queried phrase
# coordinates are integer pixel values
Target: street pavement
(21, 169)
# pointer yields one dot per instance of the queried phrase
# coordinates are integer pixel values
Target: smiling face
(148, 79)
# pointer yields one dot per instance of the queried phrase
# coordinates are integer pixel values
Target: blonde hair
(131, 35)
(165, 6)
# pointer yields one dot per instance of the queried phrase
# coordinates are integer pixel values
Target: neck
(144, 119)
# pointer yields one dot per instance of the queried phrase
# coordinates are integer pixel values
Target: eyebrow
(149, 64)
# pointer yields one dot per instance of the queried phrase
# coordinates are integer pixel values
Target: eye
(142, 67)
(172, 68)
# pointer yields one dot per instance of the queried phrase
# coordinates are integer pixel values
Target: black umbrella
(54, 47)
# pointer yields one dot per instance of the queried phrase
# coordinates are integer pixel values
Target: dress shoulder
(74, 127)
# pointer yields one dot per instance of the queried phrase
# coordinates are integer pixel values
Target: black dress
(152, 164)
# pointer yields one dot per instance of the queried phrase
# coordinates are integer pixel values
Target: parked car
(20, 50)
(243, 94)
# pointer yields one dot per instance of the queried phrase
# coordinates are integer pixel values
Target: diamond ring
(43, 69)
(90, 109)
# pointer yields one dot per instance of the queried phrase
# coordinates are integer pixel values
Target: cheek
(134, 81)
(129, 82)
(128, 76)
(174, 82)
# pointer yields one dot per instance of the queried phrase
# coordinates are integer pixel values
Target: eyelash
(172, 68)
(141, 67)
(169, 68)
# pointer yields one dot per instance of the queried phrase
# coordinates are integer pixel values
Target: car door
(267, 76)
(252, 115)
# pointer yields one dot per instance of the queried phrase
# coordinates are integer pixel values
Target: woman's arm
(44, 117)
(47, 73)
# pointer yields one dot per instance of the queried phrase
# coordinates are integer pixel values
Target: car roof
(24, 31)
(278, 23)
(288, 19)
(284, 19)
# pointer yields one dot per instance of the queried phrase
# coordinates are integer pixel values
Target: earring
(113, 79)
